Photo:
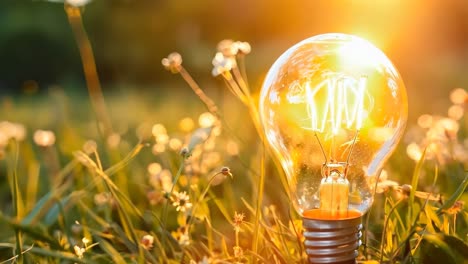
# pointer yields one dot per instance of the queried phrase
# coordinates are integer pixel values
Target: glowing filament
(344, 104)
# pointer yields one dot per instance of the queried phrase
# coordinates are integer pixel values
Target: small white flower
(44, 138)
(79, 251)
(181, 201)
(222, 64)
(173, 62)
(147, 241)
(227, 48)
(243, 47)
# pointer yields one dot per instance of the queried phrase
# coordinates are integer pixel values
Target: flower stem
(89, 68)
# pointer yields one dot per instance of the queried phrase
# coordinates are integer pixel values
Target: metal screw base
(332, 241)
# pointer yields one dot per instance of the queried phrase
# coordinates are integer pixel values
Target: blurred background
(426, 40)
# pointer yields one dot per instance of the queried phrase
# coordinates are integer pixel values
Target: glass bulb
(333, 108)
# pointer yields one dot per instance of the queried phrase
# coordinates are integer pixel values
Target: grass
(124, 188)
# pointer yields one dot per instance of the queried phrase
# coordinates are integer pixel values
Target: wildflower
(238, 220)
(79, 251)
(77, 3)
(44, 138)
(85, 241)
(173, 62)
(147, 241)
(222, 64)
(181, 201)
(227, 48)
(182, 236)
(456, 208)
(238, 252)
(243, 47)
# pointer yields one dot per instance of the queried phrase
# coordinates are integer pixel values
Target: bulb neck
(332, 241)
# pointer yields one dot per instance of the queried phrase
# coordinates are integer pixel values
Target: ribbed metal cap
(332, 241)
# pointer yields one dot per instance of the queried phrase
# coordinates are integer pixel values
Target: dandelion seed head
(173, 62)
(44, 138)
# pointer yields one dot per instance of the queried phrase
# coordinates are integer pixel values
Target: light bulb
(333, 108)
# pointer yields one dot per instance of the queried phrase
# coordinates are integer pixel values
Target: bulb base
(332, 241)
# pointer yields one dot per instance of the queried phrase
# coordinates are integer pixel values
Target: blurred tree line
(427, 40)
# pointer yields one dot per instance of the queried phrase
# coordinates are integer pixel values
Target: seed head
(226, 171)
(173, 62)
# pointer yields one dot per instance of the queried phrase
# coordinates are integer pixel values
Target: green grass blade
(455, 196)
